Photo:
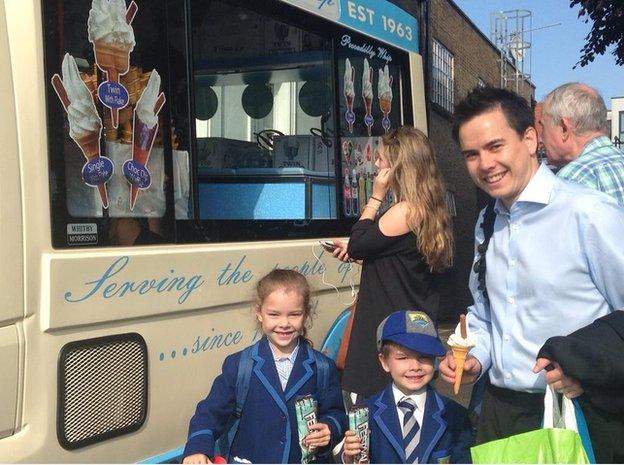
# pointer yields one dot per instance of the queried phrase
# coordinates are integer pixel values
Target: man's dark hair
(483, 99)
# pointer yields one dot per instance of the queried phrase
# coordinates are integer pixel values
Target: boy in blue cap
(409, 421)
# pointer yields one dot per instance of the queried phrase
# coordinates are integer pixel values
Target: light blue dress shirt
(555, 263)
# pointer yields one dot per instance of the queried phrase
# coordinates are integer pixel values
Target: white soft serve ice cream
(367, 85)
(384, 90)
(349, 88)
(107, 23)
(145, 106)
(457, 340)
(81, 112)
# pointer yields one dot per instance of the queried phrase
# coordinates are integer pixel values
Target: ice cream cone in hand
(460, 343)
(459, 355)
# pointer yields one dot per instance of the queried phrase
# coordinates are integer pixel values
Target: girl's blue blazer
(267, 432)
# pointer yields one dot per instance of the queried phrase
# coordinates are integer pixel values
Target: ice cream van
(158, 158)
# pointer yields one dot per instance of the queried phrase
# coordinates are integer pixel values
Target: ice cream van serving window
(211, 120)
(264, 122)
(268, 98)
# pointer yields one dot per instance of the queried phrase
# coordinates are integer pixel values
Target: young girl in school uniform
(284, 368)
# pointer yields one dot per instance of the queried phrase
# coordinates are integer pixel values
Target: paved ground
(445, 330)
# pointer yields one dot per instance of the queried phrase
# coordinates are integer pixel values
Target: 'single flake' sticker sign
(85, 125)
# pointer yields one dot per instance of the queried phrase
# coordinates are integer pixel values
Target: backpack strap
(487, 225)
(243, 380)
(322, 370)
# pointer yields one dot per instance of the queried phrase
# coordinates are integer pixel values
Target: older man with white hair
(574, 132)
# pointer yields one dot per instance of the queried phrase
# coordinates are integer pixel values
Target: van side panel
(9, 370)
(11, 284)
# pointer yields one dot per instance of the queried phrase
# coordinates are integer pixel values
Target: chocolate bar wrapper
(305, 409)
(358, 422)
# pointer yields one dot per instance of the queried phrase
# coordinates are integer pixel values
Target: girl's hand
(196, 458)
(381, 183)
(352, 446)
(318, 436)
(340, 252)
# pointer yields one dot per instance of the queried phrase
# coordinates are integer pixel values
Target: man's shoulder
(577, 196)
(601, 157)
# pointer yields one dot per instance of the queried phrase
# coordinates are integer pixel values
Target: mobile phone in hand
(327, 245)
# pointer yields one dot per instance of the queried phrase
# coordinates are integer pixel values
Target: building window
(443, 70)
(621, 126)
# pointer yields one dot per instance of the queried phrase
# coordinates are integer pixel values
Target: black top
(394, 277)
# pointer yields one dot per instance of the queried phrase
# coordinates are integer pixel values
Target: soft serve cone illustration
(85, 125)
(112, 37)
(460, 343)
(349, 93)
(384, 92)
(144, 131)
(367, 94)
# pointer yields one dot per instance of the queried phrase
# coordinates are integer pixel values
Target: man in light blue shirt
(555, 260)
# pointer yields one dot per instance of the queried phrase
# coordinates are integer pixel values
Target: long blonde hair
(416, 181)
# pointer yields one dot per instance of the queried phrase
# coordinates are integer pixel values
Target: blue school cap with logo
(411, 329)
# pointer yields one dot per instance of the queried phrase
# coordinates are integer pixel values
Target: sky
(555, 50)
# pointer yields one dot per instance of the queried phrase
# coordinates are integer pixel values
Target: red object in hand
(218, 459)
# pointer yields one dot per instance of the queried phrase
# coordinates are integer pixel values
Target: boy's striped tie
(411, 429)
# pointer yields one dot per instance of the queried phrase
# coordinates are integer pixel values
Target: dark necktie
(411, 429)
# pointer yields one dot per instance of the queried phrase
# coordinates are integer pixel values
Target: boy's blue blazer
(446, 435)
(267, 431)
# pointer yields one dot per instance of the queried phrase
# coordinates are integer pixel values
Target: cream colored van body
(190, 303)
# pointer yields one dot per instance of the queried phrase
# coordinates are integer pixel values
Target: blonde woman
(399, 249)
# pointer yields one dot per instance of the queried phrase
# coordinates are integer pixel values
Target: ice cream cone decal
(349, 93)
(112, 37)
(85, 125)
(460, 343)
(367, 95)
(145, 128)
(384, 92)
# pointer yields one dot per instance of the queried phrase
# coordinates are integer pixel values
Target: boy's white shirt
(419, 397)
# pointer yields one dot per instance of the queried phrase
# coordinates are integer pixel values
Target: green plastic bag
(552, 445)
(564, 438)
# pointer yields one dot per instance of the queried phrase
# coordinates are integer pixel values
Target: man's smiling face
(499, 160)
